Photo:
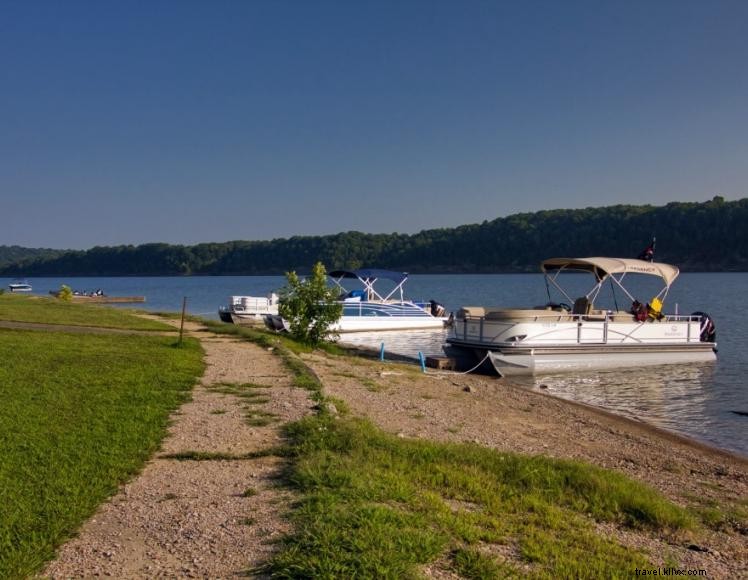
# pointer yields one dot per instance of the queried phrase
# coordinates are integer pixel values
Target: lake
(702, 401)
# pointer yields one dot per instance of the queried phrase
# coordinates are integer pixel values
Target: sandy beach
(190, 519)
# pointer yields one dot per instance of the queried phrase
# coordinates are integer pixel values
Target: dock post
(181, 324)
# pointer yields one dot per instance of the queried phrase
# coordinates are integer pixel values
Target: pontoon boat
(249, 309)
(574, 334)
(367, 309)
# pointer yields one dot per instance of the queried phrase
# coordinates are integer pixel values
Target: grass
(248, 392)
(53, 311)
(80, 414)
(375, 505)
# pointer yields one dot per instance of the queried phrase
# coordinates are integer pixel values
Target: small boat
(573, 334)
(20, 286)
(249, 309)
(368, 309)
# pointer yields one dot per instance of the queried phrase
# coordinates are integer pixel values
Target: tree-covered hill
(695, 236)
(14, 254)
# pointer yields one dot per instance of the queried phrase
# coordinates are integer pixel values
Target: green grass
(53, 311)
(80, 414)
(375, 505)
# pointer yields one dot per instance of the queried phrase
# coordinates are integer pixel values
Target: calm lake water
(702, 401)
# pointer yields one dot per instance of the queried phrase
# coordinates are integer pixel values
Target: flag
(649, 252)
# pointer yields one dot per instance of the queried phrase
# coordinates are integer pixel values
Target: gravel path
(199, 519)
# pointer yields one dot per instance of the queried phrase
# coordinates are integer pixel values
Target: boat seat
(519, 314)
(472, 311)
(596, 315)
(621, 316)
(582, 305)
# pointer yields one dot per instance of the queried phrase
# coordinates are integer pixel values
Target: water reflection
(401, 342)
(666, 396)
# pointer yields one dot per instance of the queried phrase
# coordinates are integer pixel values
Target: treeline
(695, 236)
(14, 254)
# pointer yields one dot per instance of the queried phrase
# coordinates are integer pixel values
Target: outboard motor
(708, 332)
(437, 309)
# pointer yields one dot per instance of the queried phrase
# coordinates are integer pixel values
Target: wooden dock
(102, 299)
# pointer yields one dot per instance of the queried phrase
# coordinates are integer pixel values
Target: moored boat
(249, 309)
(369, 308)
(20, 286)
(574, 334)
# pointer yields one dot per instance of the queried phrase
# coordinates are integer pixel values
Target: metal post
(381, 353)
(181, 324)
(423, 361)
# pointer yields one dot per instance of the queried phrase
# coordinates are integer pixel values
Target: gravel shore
(218, 519)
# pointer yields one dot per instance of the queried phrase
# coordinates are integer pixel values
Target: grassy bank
(375, 505)
(54, 311)
(80, 414)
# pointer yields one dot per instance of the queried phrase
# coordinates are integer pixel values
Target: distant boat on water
(20, 286)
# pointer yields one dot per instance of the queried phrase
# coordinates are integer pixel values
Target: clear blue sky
(182, 122)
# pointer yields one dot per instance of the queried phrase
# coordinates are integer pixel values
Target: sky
(186, 122)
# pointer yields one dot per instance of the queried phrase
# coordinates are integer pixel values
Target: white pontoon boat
(558, 337)
(249, 309)
(369, 308)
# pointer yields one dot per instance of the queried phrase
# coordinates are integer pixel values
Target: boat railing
(374, 308)
(606, 317)
(250, 304)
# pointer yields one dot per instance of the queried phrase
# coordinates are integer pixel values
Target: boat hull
(244, 319)
(373, 324)
(527, 361)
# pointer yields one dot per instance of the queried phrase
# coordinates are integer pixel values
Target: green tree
(310, 306)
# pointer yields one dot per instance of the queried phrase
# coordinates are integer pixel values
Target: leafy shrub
(310, 306)
(65, 293)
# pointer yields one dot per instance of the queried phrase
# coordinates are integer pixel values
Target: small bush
(65, 293)
(310, 306)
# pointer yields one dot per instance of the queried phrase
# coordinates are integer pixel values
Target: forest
(708, 236)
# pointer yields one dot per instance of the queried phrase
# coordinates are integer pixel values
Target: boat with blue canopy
(370, 308)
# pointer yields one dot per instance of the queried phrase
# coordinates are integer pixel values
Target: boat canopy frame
(608, 269)
(368, 277)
